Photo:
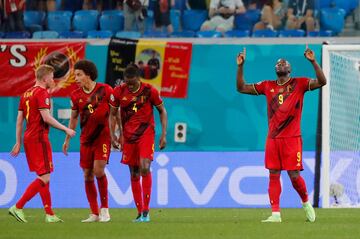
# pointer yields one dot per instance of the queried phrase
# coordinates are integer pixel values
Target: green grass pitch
(186, 224)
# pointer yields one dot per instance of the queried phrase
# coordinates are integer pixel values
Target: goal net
(340, 181)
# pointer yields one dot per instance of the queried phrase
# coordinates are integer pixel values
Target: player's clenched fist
(241, 57)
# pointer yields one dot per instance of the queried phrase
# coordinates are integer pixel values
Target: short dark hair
(88, 67)
(131, 71)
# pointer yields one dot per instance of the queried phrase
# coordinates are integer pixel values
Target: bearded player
(137, 132)
(283, 149)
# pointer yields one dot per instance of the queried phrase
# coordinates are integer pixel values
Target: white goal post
(340, 169)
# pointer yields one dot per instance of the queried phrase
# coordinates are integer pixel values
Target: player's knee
(145, 171)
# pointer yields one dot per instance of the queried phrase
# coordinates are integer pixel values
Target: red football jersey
(94, 111)
(284, 103)
(31, 102)
(136, 110)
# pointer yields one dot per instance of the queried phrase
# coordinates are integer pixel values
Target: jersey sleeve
(155, 98)
(21, 105)
(260, 87)
(304, 83)
(74, 102)
(43, 100)
(115, 97)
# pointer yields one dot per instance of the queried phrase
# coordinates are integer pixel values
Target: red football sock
(46, 199)
(274, 192)
(136, 190)
(103, 191)
(300, 187)
(30, 192)
(146, 190)
(91, 195)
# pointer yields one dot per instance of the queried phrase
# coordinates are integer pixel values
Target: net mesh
(344, 128)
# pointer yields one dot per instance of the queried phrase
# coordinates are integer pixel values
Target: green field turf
(186, 224)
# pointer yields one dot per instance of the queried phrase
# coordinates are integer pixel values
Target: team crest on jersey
(47, 101)
(289, 88)
(112, 98)
(281, 90)
(134, 98)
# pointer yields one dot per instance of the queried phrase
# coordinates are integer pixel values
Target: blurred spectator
(300, 15)
(221, 15)
(14, 15)
(162, 14)
(196, 4)
(254, 4)
(46, 5)
(272, 16)
(2, 23)
(135, 12)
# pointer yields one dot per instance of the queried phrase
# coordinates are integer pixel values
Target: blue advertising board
(180, 179)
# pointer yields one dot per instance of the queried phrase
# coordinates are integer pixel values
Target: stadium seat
(17, 35)
(184, 34)
(347, 5)
(247, 20)
(112, 22)
(320, 33)
(59, 21)
(2, 34)
(128, 34)
(237, 33)
(86, 20)
(264, 33)
(154, 34)
(71, 34)
(100, 34)
(292, 33)
(193, 19)
(149, 21)
(45, 35)
(208, 34)
(112, 12)
(332, 19)
(34, 20)
(175, 19)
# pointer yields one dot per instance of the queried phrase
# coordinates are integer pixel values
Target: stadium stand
(45, 35)
(193, 19)
(237, 33)
(208, 34)
(100, 34)
(85, 20)
(59, 21)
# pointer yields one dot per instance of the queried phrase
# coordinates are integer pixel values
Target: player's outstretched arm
(19, 126)
(164, 121)
(72, 125)
(320, 77)
(241, 86)
(47, 118)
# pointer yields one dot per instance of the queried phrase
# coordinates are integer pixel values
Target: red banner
(20, 59)
(176, 69)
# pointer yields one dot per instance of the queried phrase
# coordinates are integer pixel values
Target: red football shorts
(144, 148)
(98, 150)
(284, 153)
(39, 156)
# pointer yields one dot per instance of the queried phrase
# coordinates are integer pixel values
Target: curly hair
(88, 67)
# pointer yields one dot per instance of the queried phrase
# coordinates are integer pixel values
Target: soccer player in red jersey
(137, 133)
(34, 108)
(91, 102)
(283, 149)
